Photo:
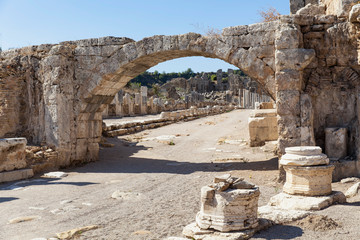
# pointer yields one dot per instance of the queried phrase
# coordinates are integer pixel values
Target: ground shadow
(7, 199)
(40, 181)
(280, 232)
(113, 162)
(350, 204)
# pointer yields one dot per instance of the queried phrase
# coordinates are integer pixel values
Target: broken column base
(194, 232)
(296, 202)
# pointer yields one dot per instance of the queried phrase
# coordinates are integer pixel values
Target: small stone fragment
(77, 231)
(353, 190)
(349, 180)
(242, 185)
(125, 195)
(141, 232)
(222, 178)
(222, 186)
(55, 174)
(280, 216)
(65, 202)
(23, 219)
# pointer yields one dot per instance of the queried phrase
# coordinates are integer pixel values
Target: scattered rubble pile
(317, 223)
(41, 158)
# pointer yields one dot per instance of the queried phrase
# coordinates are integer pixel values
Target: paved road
(156, 176)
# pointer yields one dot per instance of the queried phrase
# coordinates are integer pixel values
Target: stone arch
(126, 62)
(104, 66)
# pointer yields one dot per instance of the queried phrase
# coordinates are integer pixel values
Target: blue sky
(33, 22)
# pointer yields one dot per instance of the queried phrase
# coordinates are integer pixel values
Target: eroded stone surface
(12, 154)
(194, 232)
(305, 203)
(279, 215)
(353, 190)
(336, 143)
(308, 181)
(263, 127)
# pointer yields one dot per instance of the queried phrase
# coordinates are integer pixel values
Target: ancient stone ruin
(307, 62)
(308, 171)
(229, 204)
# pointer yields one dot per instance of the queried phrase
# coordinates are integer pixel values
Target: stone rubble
(70, 234)
(353, 190)
(350, 180)
(55, 175)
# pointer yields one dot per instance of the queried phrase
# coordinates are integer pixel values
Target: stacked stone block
(308, 172)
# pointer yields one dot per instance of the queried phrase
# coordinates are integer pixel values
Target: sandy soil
(157, 175)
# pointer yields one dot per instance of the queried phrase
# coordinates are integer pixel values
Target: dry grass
(268, 15)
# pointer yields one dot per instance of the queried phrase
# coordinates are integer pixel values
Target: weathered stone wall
(55, 94)
(307, 62)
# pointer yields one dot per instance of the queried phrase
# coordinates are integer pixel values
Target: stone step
(16, 175)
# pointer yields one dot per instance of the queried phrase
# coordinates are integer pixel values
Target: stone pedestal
(308, 181)
(228, 211)
(307, 171)
(231, 210)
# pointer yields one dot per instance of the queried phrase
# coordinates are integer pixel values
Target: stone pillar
(130, 104)
(58, 90)
(105, 113)
(143, 100)
(308, 172)
(290, 60)
(219, 76)
(119, 104)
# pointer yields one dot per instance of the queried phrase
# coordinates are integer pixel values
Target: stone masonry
(307, 62)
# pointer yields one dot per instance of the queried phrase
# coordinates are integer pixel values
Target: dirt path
(156, 176)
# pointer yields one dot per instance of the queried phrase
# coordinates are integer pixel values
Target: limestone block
(304, 156)
(288, 37)
(280, 216)
(296, 59)
(12, 154)
(262, 128)
(16, 175)
(312, 10)
(193, 231)
(341, 8)
(288, 79)
(288, 103)
(354, 15)
(308, 181)
(296, 160)
(336, 143)
(233, 209)
(305, 203)
(304, 150)
(353, 190)
(295, 5)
